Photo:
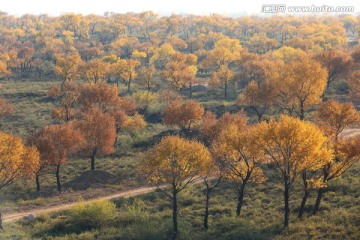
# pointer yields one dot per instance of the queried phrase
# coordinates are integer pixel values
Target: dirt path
(350, 132)
(130, 193)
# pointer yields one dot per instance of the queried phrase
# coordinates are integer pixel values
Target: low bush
(94, 214)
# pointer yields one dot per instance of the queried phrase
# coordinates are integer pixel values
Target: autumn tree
(292, 146)
(212, 175)
(260, 44)
(211, 127)
(222, 78)
(98, 130)
(16, 161)
(259, 96)
(106, 98)
(185, 115)
(337, 63)
(261, 92)
(177, 162)
(94, 71)
(66, 96)
(180, 71)
(162, 55)
(147, 77)
(333, 117)
(301, 85)
(225, 51)
(55, 143)
(242, 157)
(66, 66)
(126, 70)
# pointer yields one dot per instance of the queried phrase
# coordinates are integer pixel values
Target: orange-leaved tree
(293, 146)
(55, 143)
(177, 162)
(66, 97)
(185, 115)
(98, 129)
(16, 161)
(106, 98)
(211, 127)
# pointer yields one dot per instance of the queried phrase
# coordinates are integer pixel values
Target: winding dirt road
(123, 194)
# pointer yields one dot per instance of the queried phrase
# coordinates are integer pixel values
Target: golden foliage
(334, 117)
(301, 85)
(176, 161)
(242, 156)
(293, 146)
(16, 160)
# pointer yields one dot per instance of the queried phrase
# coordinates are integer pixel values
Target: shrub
(94, 214)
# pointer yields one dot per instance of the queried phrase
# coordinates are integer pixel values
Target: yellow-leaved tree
(177, 162)
(242, 157)
(293, 146)
(333, 117)
(301, 85)
(16, 160)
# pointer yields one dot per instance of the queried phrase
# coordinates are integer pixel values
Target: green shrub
(94, 214)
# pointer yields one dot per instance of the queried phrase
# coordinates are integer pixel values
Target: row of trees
(293, 149)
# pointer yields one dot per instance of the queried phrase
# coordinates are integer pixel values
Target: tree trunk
(37, 178)
(318, 200)
(302, 111)
(287, 208)
(225, 90)
(306, 194)
(129, 86)
(1, 226)
(303, 202)
(93, 161)
(175, 216)
(240, 199)
(206, 217)
(58, 183)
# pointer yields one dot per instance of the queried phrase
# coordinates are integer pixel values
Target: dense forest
(248, 126)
